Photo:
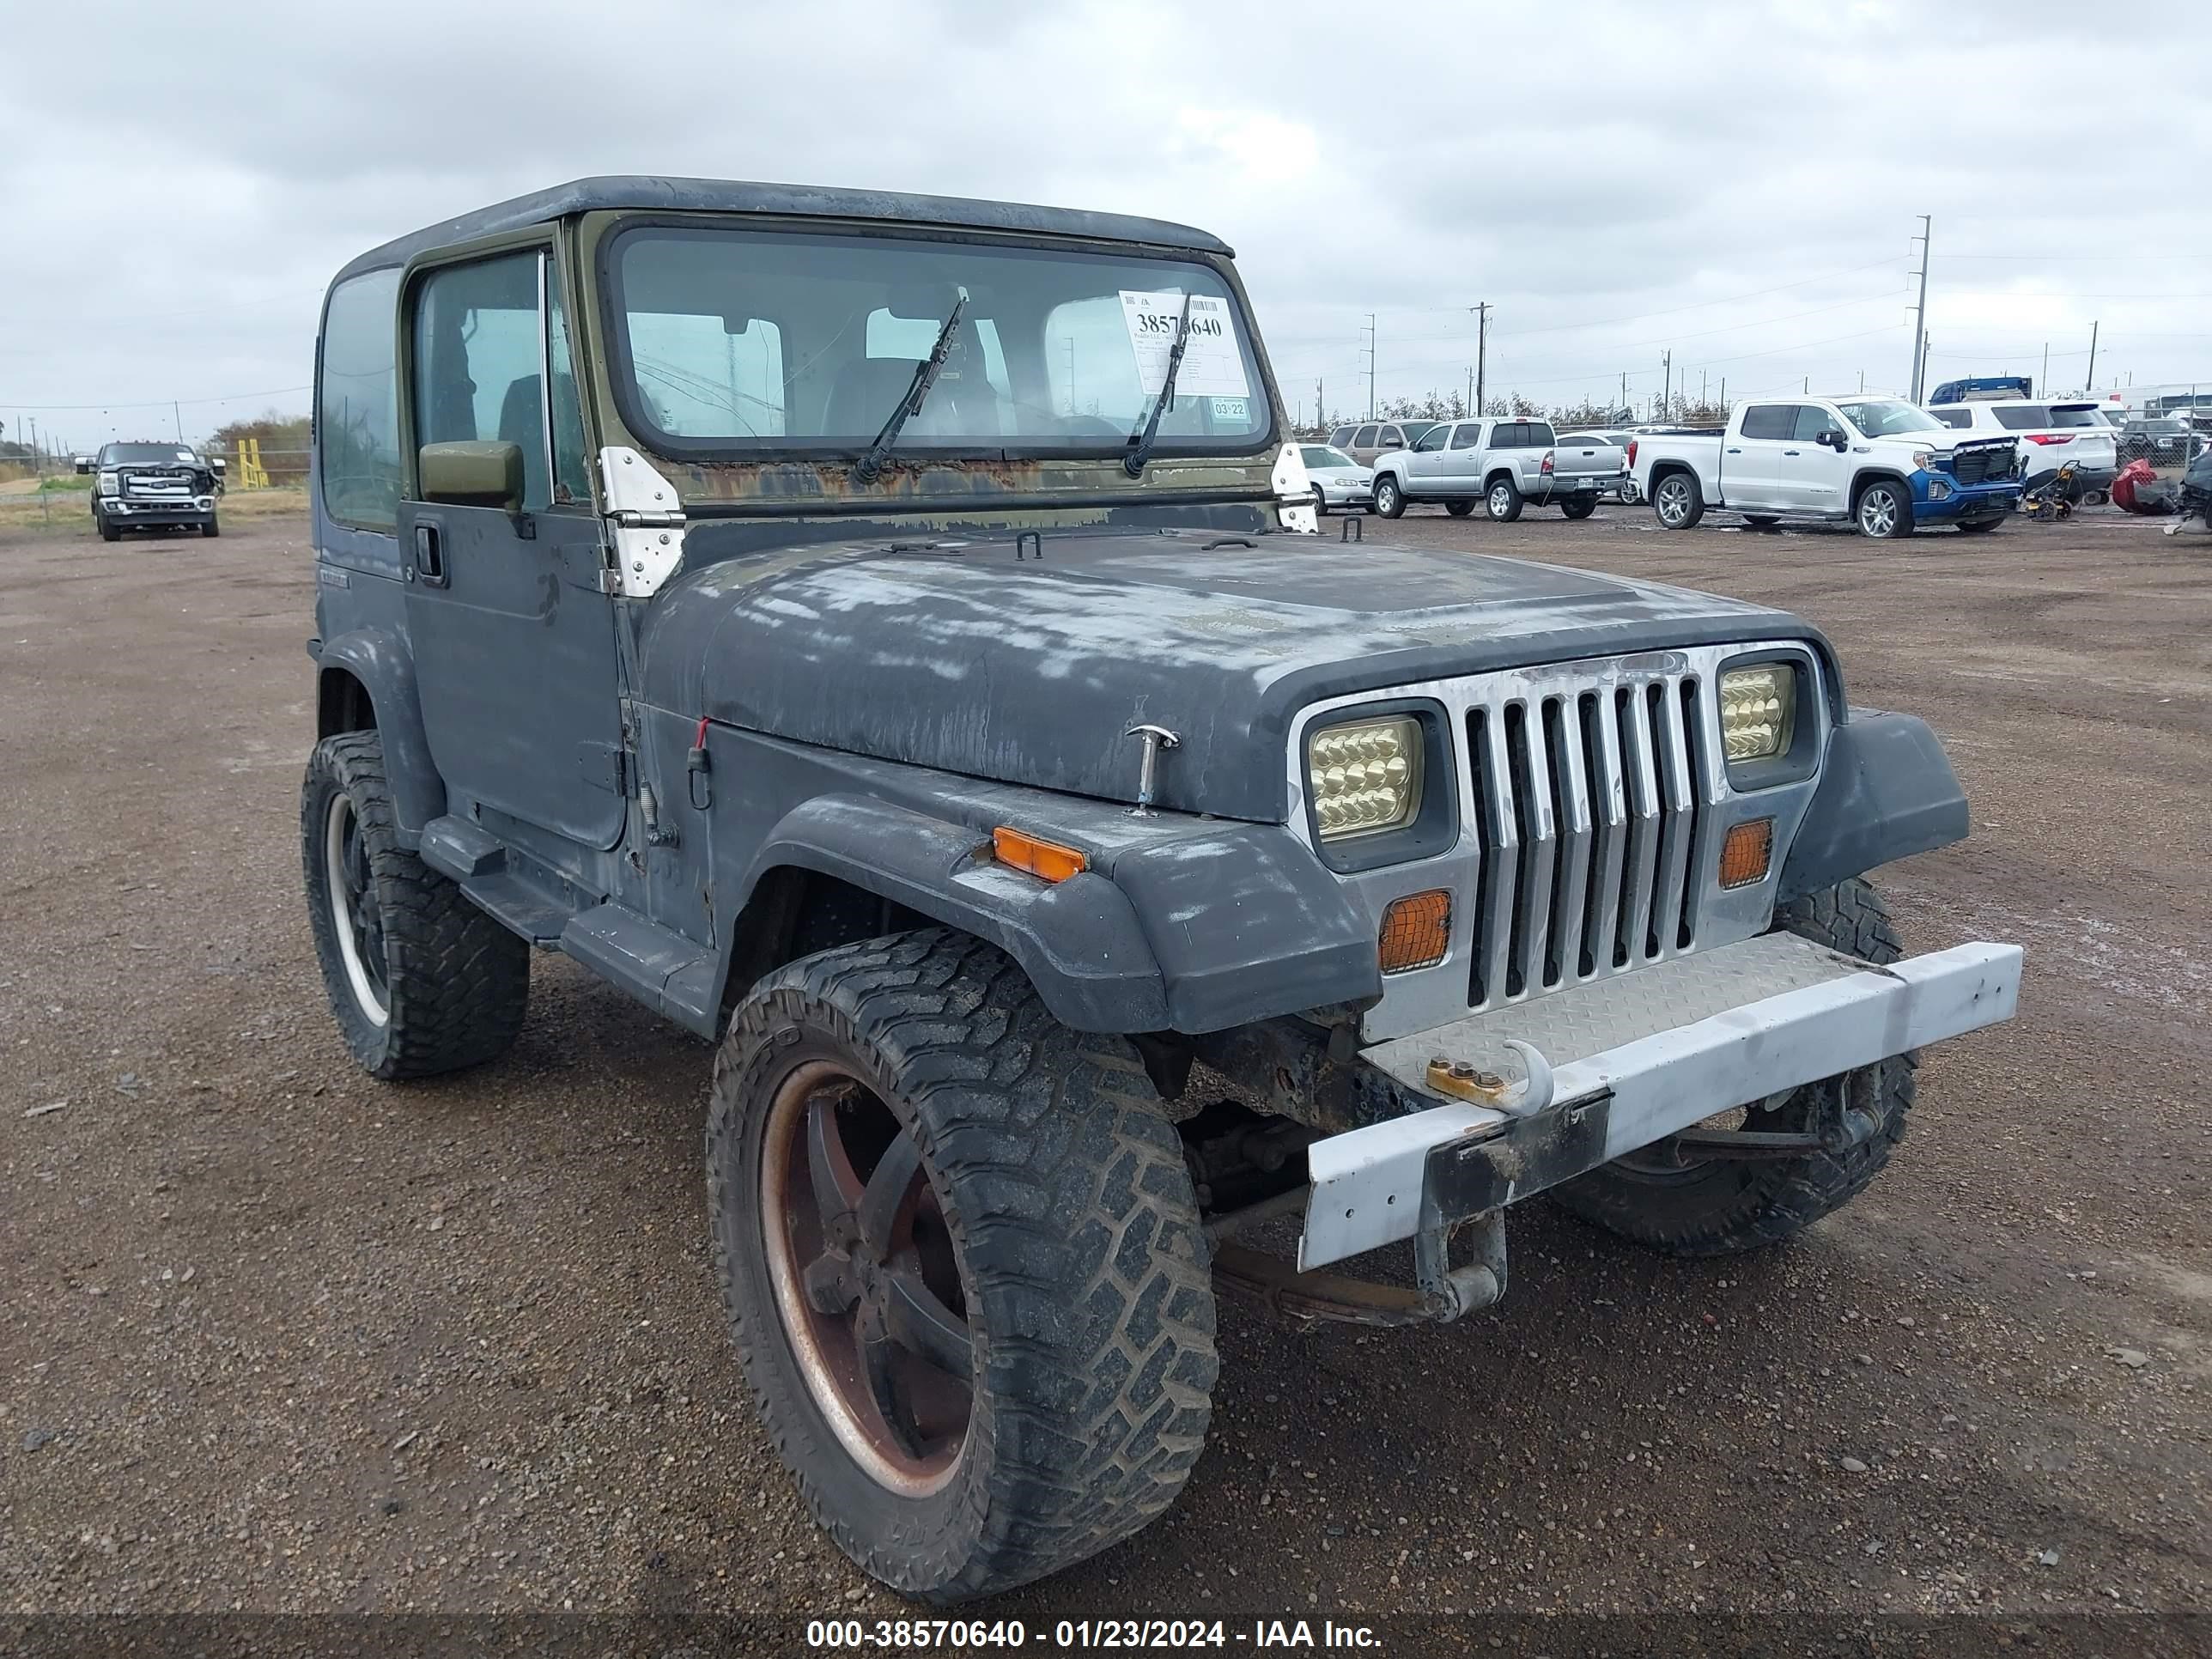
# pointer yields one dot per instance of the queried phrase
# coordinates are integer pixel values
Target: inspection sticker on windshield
(1212, 367)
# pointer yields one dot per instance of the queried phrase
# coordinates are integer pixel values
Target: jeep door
(513, 638)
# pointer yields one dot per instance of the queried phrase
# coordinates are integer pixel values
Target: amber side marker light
(1416, 931)
(1047, 860)
(1746, 853)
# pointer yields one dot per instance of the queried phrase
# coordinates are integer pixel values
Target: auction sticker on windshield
(1212, 366)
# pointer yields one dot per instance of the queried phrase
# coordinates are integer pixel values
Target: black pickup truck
(152, 486)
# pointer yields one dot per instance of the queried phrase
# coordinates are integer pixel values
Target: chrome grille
(1592, 809)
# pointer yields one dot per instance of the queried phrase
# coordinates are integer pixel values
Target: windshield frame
(620, 378)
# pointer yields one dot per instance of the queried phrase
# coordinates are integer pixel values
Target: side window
(1341, 438)
(356, 405)
(479, 362)
(1433, 439)
(1813, 421)
(1541, 435)
(1391, 438)
(1364, 438)
(1468, 434)
(1509, 434)
(1957, 417)
(1770, 420)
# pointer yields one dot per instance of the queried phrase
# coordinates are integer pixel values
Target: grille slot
(1590, 807)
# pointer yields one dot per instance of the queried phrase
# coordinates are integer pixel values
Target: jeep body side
(887, 635)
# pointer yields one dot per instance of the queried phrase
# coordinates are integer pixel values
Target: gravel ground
(280, 1339)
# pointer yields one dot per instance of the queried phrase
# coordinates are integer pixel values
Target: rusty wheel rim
(866, 1278)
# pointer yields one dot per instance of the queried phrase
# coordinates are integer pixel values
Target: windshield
(127, 454)
(1321, 455)
(738, 343)
(1890, 417)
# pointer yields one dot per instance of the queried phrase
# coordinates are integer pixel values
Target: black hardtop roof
(639, 193)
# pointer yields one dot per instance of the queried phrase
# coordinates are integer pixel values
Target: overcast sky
(1736, 183)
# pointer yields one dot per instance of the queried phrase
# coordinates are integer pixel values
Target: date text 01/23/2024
(910, 1634)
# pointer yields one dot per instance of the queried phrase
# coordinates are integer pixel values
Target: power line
(156, 403)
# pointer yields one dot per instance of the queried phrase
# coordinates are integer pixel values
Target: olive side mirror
(472, 474)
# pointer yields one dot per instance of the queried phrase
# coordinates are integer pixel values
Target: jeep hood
(954, 654)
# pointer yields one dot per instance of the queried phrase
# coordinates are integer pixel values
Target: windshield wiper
(1140, 441)
(925, 376)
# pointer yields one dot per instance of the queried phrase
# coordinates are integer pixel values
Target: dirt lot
(279, 1338)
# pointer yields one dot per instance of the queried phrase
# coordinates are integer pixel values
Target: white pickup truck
(1885, 464)
(1503, 462)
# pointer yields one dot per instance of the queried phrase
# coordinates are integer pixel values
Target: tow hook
(1464, 1080)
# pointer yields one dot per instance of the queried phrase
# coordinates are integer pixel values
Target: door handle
(1735, 452)
(429, 556)
(1793, 451)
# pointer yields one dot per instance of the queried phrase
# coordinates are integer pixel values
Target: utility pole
(1481, 354)
(1623, 405)
(37, 470)
(1320, 409)
(178, 409)
(1370, 364)
(1470, 389)
(2044, 385)
(1666, 381)
(1920, 312)
(1701, 388)
(2091, 381)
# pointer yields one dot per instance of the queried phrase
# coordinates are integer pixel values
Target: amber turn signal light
(1047, 860)
(1746, 853)
(1416, 931)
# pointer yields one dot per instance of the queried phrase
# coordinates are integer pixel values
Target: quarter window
(356, 410)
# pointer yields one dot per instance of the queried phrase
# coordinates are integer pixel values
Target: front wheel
(962, 1263)
(1884, 511)
(1677, 502)
(209, 527)
(421, 980)
(1504, 500)
(1390, 499)
(108, 531)
(1714, 1206)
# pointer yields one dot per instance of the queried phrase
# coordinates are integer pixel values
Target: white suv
(2051, 434)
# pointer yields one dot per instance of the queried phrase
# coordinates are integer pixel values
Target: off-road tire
(1718, 1207)
(1459, 509)
(1389, 497)
(109, 531)
(1083, 1266)
(456, 981)
(209, 527)
(1579, 508)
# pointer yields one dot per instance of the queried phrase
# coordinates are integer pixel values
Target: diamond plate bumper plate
(1648, 1053)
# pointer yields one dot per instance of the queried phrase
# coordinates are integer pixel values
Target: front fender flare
(1887, 791)
(1077, 941)
(379, 659)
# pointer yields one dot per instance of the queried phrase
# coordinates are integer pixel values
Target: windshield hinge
(644, 521)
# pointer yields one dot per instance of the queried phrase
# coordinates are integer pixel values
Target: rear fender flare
(378, 660)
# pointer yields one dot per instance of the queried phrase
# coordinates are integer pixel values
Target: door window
(1811, 422)
(479, 362)
(356, 414)
(1341, 438)
(1770, 420)
(1957, 417)
(1431, 439)
(1391, 438)
(1468, 434)
(1364, 438)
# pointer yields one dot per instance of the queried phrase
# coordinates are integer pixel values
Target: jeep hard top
(886, 635)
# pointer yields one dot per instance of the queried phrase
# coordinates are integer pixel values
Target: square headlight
(1366, 776)
(1758, 711)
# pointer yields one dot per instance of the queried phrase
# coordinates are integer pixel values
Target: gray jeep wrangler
(886, 635)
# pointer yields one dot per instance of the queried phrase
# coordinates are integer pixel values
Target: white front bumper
(1655, 1051)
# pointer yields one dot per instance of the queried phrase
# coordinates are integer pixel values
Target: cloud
(1735, 184)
